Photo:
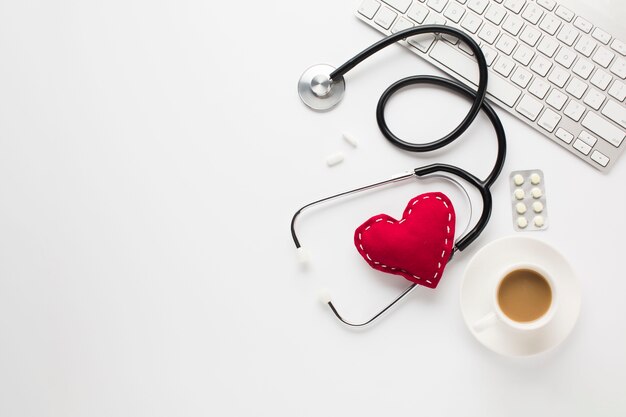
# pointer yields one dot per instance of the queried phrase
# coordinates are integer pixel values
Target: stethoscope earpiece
(317, 90)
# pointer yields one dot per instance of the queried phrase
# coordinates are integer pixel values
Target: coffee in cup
(524, 295)
(524, 299)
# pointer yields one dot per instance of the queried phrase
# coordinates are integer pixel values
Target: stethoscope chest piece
(317, 90)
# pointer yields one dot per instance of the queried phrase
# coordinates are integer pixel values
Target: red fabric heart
(417, 247)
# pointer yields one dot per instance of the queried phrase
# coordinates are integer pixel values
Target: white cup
(496, 315)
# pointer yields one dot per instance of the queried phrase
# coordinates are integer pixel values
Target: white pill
(536, 192)
(535, 178)
(518, 179)
(334, 159)
(350, 139)
(520, 208)
(537, 206)
(520, 194)
(522, 222)
(538, 220)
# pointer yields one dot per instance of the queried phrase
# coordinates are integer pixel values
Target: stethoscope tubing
(478, 104)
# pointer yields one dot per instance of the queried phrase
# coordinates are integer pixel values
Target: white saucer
(477, 295)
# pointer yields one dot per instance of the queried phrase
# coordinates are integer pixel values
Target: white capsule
(520, 194)
(350, 139)
(538, 220)
(538, 206)
(334, 159)
(520, 208)
(535, 179)
(518, 179)
(536, 192)
(522, 222)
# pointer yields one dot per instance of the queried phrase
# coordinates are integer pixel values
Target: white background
(151, 156)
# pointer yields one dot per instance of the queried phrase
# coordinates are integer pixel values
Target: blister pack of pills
(528, 200)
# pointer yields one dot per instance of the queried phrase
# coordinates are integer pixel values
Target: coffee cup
(524, 299)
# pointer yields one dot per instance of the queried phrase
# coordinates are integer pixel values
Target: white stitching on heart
(443, 253)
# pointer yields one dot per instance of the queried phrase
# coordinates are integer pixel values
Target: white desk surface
(151, 157)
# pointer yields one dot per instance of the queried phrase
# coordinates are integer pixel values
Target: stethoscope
(321, 87)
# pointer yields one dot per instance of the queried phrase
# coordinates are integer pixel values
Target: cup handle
(487, 321)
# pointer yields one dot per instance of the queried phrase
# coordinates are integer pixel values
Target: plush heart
(417, 247)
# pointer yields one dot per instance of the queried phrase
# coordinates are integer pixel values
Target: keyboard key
(530, 35)
(586, 45)
(559, 77)
(471, 22)
(601, 35)
(437, 5)
(615, 112)
(514, 5)
(385, 17)
(489, 33)
(490, 54)
(547, 4)
(568, 35)
(583, 25)
(587, 138)
(478, 6)
(418, 13)
(541, 66)
(495, 14)
(399, 5)
(601, 79)
(582, 147)
(619, 68)
(512, 24)
(506, 44)
(564, 135)
(529, 107)
(548, 46)
(603, 128)
(576, 88)
(550, 24)
(619, 46)
(368, 8)
(583, 68)
(564, 13)
(450, 39)
(549, 120)
(465, 66)
(401, 24)
(539, 88)
(454, 12)
(600, 158)
(574, 110)
(565, 57)
(603, 57)
(422, 42)
(523, 55)
(533, 13)
(556, 99)
(504, 66)
(594, 99)
(618, 90)
(465, 48)
(521, 77)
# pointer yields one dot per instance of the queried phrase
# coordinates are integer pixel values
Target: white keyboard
(551, 68)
